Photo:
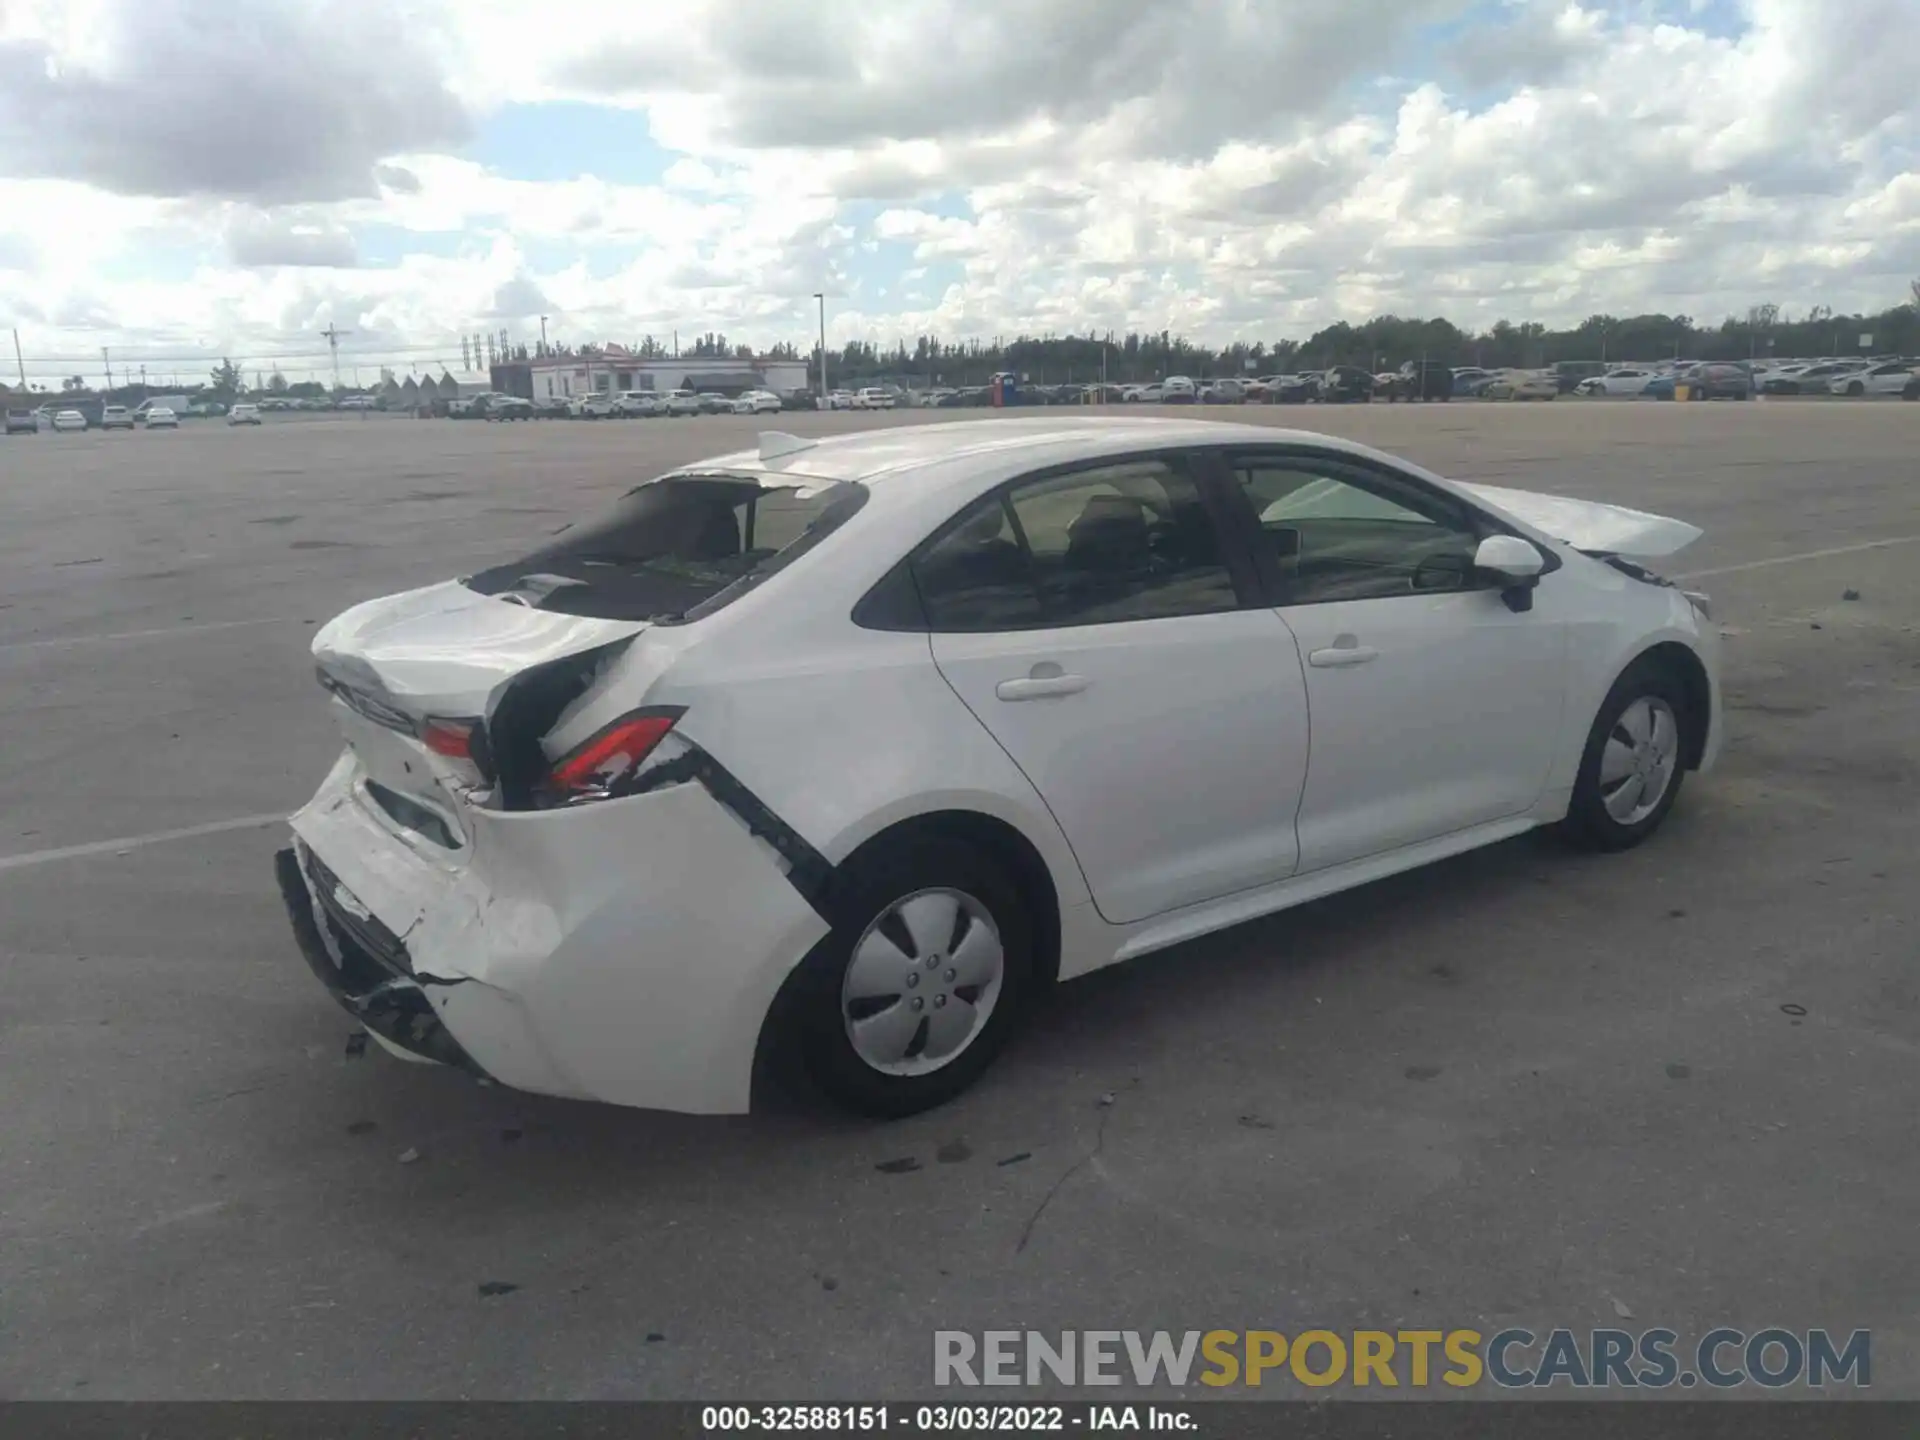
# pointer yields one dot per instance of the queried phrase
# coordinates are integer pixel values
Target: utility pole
(821, 296)
(333, 344)
(16, 357)
(107, 362)
(543, 334)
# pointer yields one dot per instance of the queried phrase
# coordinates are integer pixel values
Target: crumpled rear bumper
(627, 951)
(392, 1007)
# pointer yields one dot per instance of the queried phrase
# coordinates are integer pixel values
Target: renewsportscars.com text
(1605, 1359)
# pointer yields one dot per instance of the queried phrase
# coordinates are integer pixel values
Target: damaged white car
(839, 750)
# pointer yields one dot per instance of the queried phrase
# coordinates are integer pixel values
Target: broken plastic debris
(497, 1287)
(1107, 1099)
(1620, 1309)
(409, 1155)
(1849, 594)
(356, 1045)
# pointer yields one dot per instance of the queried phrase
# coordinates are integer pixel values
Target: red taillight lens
(600, 766)
(452, 738)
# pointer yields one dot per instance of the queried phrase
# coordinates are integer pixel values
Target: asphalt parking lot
(1673, 1087)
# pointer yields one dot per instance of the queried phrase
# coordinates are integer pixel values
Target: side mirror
(1514, 565)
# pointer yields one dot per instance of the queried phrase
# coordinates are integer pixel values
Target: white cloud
(1225, 167)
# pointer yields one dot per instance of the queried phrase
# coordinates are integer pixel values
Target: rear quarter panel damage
(625, 952)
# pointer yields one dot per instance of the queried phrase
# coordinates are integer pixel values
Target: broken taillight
(451, 738)
(606, 765)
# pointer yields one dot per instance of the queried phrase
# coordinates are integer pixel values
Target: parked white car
(116, 417)
(638, 404)
(1141, 395)
(1521, 385)
(591, 407)
(69, 420)
(1890, 378)
(161, 417)
(1178, 390)
(836, 400)
(850, 746)
(244, 415)
(683, 402)
(757, 402)
(1628, 380)
(873, 398)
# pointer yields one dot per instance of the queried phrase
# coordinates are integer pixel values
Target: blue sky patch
(564, 139)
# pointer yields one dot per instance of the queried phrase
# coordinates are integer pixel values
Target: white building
(556, 378)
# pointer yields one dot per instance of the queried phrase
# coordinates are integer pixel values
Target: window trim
(1376, 479)
(1192, 462)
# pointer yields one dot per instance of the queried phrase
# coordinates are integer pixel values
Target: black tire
(1856, 389)
(872, 885)
(1588, 825)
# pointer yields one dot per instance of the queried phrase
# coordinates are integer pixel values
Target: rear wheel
(1631, 770)
(922, 979)
(1856, 389)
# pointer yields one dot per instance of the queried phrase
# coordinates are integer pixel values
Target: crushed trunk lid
(1590, 525)
(446, 650)
(440, 653)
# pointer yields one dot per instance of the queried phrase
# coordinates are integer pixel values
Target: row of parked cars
(22, 421)
(628, 405)
(1854, 378)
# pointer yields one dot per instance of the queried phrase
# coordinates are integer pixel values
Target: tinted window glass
(1339, 535)
(1123, 542)
(672, 550)
(976, 576)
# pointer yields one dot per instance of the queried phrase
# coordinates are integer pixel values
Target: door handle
(1340, 654)
(1041, 687)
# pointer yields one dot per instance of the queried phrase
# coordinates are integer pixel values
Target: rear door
(1096, 625)
(1434, 707)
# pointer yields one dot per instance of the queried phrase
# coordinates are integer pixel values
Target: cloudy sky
(194, 177)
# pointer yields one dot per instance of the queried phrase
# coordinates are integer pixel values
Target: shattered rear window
(675, 549)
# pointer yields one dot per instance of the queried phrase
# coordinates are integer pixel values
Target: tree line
(1386, 341)
(1380, 343)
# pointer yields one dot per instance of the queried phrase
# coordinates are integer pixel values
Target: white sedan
(757, 402)
(161, 417)
(1520, 385)
(846, 748)
(1892, 378)
(69, 420)
(1629, 380)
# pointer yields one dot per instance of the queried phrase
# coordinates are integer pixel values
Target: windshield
(675, 549)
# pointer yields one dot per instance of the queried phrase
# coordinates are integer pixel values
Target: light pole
(543, 334)
(821, 296)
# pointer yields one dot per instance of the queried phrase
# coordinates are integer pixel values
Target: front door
(1434, 706)
(1089, 621)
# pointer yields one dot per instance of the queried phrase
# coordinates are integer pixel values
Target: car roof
(1000, 447)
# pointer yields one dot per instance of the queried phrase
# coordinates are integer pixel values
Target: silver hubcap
(1637, 765)
(922, 982)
